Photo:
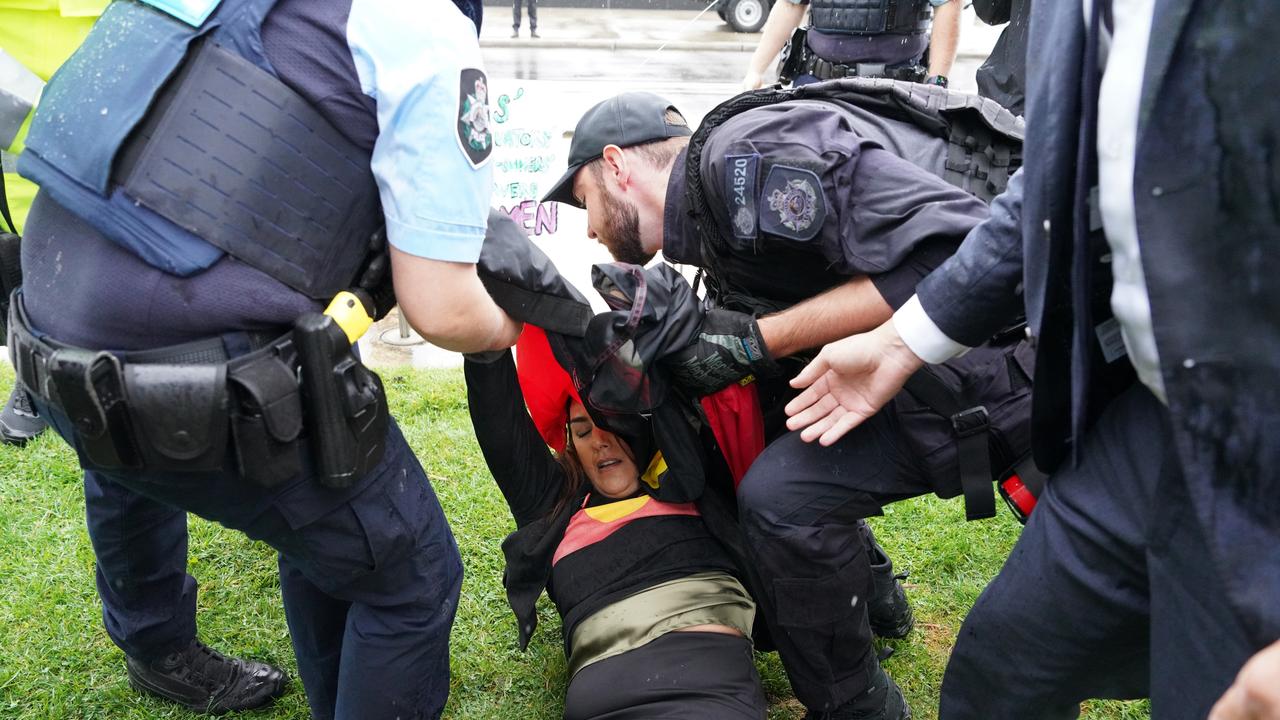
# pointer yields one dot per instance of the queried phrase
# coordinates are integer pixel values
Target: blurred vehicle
(745, 16)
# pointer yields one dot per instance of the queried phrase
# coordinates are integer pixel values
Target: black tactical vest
(870, 17)
(984, 148)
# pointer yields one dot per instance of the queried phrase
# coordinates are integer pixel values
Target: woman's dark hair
(574, 474)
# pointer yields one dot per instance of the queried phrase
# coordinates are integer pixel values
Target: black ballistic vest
(870, 17)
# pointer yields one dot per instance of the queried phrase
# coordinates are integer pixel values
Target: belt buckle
(872, 70)
(970, 422)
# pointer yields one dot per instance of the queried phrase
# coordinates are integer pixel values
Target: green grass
(56, 660)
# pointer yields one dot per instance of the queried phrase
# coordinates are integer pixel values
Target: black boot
(889, 611)
(19, 421)
(202, 679)
(882, 700)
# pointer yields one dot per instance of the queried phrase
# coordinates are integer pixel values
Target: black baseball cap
(624, 120)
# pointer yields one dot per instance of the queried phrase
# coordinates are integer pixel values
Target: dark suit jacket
(1207, 194)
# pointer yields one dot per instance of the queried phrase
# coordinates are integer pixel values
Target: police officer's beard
(622, 221)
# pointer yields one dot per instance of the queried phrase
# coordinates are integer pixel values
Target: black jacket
(1208, 219)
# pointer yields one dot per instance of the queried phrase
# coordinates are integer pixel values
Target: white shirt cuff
(923, 336)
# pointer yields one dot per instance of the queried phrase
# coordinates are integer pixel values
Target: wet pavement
(619, 29)
(616, 29)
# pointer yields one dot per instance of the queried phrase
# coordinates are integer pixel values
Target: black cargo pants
(800, 506)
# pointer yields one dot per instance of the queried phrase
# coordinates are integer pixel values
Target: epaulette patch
(740, 173)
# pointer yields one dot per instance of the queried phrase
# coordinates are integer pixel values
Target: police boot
(202, 679)
(889, 611)
(19, 421)
(882, 700)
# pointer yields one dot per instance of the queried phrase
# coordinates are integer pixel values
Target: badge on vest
(191, 12)
(797, 208)
(474, 134)
(740, 193)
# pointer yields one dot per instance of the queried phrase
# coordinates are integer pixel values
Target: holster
(988, 447)
(793, 56)
(345, 401)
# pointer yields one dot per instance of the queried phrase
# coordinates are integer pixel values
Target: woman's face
(605, 458)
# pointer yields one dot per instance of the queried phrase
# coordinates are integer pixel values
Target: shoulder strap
(970, 426)
(4, 206)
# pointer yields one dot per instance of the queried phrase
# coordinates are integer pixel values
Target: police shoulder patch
(474, 134)
(796, 206)
(740, 194)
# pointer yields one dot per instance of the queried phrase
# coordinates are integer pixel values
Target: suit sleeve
(976, 292)
(528, 476)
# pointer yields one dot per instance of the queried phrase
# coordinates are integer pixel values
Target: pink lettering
(548, 218)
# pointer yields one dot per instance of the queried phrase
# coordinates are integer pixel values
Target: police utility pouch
(266, 417)
(179, 414)
(345, 402)
(90, 388)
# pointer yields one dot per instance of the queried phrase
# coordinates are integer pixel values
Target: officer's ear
(615, 165)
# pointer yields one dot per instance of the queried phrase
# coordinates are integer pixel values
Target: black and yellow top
(621, 572)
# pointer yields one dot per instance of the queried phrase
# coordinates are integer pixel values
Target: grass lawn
(56, 660)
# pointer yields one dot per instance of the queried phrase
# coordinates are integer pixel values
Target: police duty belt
(178, 408)
(826, 70)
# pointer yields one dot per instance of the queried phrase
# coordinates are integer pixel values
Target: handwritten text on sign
(525, 162)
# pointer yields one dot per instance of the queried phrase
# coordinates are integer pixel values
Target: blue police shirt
(420, 62)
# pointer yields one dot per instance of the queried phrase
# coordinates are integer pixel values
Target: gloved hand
(375, 277)
(728, 348)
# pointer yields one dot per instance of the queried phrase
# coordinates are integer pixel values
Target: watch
(939, 80)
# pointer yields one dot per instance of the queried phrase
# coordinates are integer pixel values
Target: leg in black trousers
(801, 506)
(140, 544)
(1109, 592)
(678, 676)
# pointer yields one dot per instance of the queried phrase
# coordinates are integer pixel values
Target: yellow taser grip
(350, 313)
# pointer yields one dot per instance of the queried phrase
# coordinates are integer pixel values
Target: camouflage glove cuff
(728, 348)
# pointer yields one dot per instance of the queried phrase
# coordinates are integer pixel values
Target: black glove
(728, 348)
(375, 277)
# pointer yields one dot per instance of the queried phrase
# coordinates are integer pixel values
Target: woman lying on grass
(656, 623)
